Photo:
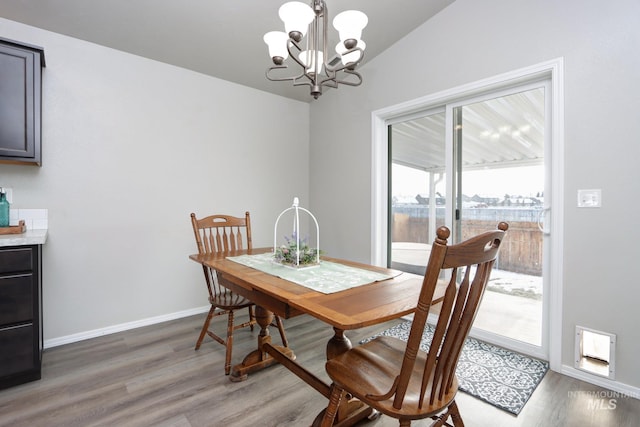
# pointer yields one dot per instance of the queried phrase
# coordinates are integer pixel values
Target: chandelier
(311, 54)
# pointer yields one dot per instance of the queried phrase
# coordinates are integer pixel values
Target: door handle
(541, 220)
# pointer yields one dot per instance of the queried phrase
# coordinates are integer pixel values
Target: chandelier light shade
(350, 24)
(296, 17)
(305, 43)
(277, 42)
(308, 58)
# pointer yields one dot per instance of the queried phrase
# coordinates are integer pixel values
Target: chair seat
(374, 366)
(229, 301)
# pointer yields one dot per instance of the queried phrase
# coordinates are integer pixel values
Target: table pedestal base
(255, 361)
(259, 359)
(354, 411)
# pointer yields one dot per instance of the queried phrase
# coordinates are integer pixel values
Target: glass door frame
(552, 71)
(454, 188)
(390, 123)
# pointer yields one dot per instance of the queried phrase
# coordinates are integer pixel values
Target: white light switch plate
(589, 198)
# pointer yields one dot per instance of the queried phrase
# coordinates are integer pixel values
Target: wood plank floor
(152, 376)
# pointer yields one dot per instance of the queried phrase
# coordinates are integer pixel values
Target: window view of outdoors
(514, 195)
(501, 178)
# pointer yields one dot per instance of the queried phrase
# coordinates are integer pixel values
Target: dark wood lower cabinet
(20, 314)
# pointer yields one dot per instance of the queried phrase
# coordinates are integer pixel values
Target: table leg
(351, 410)
(259, 359)
(338, 344)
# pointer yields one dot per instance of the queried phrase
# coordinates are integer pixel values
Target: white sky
(522, 181)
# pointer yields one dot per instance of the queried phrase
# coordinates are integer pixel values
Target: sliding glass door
(418, 189)
(469, 165)
(499, 154)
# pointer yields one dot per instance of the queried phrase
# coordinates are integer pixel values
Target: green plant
(290, 254)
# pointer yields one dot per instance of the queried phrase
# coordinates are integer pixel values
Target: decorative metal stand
(295, 260)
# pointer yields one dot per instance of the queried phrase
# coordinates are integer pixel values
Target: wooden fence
(521, 251)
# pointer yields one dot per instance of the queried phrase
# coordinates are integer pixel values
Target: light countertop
(29, 237)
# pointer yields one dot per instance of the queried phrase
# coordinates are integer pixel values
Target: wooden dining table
(357, 307)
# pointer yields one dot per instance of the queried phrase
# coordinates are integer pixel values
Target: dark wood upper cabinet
(20, 102)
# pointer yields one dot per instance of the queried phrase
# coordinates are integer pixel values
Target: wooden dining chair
(224, 233)
(397, 378)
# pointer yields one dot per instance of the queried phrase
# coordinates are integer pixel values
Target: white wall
(472, 40)
(130, 148)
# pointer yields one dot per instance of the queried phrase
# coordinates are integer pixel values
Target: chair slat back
(467, 267)
(217, 234)
(222, 233)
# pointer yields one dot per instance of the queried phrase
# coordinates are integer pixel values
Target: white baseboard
(615, 386)
(624, 390)
(81, 336)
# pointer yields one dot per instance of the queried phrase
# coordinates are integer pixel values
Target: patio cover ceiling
(501, 132)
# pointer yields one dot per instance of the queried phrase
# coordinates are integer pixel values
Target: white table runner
(327, 277)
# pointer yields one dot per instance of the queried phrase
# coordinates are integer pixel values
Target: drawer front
(16, 350)
(16, 260)
(16, 299)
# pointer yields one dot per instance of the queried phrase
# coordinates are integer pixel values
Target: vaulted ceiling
(221, 38)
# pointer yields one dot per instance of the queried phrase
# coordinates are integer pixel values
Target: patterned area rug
(500, 377)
